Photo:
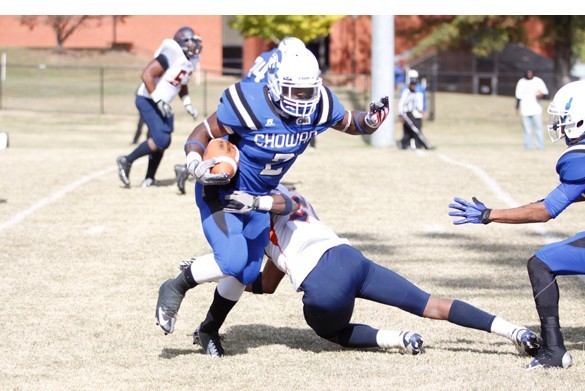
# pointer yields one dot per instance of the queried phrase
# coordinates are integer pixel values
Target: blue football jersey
(269, 143)
(259, 70)
(571, 170)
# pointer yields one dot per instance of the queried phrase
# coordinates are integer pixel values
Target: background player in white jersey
(163, 78)
(271, 124)
(567, 110)
(332, 274)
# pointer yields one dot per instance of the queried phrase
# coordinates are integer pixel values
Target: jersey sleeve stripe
(242, 108)
(326, 109)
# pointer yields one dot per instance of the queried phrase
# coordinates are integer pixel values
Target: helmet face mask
(294, 82)
(567, 113)
(190, 43)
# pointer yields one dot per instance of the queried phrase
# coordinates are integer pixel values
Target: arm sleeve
(164, 62)
(562, 196)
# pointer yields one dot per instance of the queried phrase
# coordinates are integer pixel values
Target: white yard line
(17, 218)
(497, 190)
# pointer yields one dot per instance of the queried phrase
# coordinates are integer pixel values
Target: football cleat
(526, 341)
(412, 343)
(124, 170)
(148, 182)
(181, 174)
(550, 358)
(167, 306)
(210, 342)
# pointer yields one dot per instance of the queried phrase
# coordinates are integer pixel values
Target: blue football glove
(476, 213)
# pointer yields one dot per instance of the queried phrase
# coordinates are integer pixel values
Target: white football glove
(192, 111)
(378, 112)
(241, 202)
(165, 109)
(200, 169)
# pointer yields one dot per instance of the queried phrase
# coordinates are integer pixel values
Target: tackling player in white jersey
(164, 77)
(332, 274)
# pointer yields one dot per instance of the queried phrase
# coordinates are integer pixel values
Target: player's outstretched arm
(477, 213)
(361, 122)
(240, 202)
(267, 281)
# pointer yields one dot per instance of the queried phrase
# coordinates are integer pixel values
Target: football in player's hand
(227, 156)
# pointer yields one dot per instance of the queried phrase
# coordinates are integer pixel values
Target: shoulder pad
(170, 49)
(571, 164)
(235, 110)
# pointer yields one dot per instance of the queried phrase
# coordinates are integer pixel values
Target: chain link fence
(111, 90)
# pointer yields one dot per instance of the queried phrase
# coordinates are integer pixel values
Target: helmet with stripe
(294, 82)
(567, 113)
(190, 43)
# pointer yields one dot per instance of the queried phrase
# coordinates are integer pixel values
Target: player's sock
(389, 339)
(503, 328)
(359, 336)
(466, 315)
(218, 311)
(153, 162)
(141, 150)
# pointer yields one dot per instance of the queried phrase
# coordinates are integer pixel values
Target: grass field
(82, 259)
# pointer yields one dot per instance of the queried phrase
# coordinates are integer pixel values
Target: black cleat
(211, 343)
(124, 170)
(550, 358)
(526, 341)
(181, 174)
(167, 306)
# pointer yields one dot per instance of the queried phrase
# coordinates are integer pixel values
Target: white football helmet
(567, 112)
(291, 43)
(294, 82)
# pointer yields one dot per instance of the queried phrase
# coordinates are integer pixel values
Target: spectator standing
(529, 90)
(411, 108)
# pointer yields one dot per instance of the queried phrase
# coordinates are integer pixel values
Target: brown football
(227, 155)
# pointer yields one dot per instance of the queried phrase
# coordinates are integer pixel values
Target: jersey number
(259, 70)
(279, 158)
(179, 78)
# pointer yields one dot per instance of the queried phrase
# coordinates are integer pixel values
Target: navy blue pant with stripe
(344, 274)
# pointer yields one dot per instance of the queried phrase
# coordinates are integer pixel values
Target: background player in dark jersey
(567, 257)
(271, 124)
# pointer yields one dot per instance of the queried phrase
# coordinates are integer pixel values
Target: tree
(63, 25)
(275, 27)
(484, 34)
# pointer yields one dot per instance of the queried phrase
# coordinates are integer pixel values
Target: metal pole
(383, 74)
(102, 111)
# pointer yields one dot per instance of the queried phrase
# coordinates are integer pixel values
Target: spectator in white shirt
(529, 90)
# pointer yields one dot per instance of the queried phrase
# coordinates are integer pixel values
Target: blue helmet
(189, 42)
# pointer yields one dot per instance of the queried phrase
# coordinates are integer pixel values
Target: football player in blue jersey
(567, 111)
(258, 73)
(164, 77)
(271, 124)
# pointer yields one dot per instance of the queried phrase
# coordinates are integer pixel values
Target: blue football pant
(237, 240)
(566, 257)
(344, 274)
(159, 128)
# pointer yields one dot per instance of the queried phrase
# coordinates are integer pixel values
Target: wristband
(263, 203)
(485, 216)
(257, 285)
(186, 100)
(195, 142)
(357, 122)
